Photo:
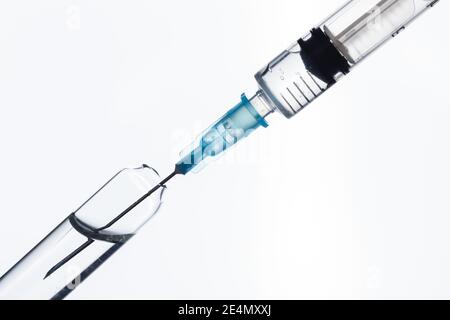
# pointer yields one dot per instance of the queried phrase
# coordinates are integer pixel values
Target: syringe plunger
(306, 69)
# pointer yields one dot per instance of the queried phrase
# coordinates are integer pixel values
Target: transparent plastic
(86, 239)
(362, 25)
(355, 30)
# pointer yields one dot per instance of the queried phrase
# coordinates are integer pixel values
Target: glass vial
(85, 239)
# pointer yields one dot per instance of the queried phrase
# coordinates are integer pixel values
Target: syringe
(287, 84)
(306, 69)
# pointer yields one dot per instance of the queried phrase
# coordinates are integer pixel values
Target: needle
(145, 196)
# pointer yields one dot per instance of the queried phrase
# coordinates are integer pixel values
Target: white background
(350, 199)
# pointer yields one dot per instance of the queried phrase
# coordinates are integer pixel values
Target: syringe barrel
(330, 50)
(80, 244)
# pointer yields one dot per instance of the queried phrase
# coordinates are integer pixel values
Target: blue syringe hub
(235, 125)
